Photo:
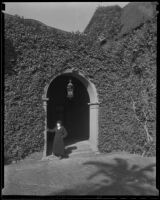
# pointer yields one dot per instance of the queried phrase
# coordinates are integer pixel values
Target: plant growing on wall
(43, 53)
(141, 116)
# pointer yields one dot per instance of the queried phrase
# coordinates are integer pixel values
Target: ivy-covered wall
(129, 108)
(123, 72)
(106, 21)
(40, 55)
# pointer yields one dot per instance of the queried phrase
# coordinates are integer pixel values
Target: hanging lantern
(70, 90)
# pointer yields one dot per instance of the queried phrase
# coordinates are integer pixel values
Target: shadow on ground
(117, 179)
(69, 150)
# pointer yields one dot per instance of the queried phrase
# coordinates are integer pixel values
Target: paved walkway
(83, 174)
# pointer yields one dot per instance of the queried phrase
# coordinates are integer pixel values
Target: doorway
(74, 112)
(79, 114)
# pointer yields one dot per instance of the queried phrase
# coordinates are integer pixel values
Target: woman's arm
(51, 130)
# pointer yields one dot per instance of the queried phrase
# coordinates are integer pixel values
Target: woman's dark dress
(58, 143)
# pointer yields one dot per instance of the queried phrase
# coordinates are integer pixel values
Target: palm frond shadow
(117, 178)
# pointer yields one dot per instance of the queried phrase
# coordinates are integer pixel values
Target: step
(83, 149)
(82, 152)
(79, 144)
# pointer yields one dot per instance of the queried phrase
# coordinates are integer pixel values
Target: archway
(79, 114)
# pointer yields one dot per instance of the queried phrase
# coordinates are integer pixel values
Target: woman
(58, 143)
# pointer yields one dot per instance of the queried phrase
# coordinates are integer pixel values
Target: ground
(82, 173)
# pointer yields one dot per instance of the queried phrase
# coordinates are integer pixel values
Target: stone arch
(93, 107)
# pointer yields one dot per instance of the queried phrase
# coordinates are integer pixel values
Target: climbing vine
(124, 74)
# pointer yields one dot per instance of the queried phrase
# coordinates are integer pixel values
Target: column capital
(45, 98)
(93, 103)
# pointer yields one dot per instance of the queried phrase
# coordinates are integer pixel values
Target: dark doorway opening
(74, 113)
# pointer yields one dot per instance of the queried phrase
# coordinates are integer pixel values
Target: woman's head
(59, 123)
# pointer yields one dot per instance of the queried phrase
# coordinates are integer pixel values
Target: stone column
(93, 132)
(45, 101)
